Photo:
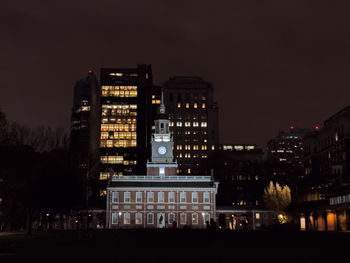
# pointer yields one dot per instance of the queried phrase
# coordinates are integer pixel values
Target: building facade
(126, 121)
(161, 199)
(323, 202)
(193, 118)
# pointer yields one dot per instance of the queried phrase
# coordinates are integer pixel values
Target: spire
(162, 106)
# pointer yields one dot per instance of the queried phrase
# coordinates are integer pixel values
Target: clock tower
(162, 162)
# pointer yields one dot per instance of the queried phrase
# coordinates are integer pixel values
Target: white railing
(161, 178)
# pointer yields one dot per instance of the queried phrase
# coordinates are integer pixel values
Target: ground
(176, 246)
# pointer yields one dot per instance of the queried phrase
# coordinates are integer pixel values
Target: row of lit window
(119, 91)
(155, 101)
(118, 120)
(118, 143)
(188, 124)
(160, 197)
(188, 155)
(118, 112)
(194, 147)
(125, 218)
(116, 160)
(120, 106)
(119, 74)
(118, 135)
(195, 105)
(238, 147)
(118, 127)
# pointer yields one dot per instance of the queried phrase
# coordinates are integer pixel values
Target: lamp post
(119, 214)
(203, 214)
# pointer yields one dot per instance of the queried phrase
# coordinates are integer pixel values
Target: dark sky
(272, 62)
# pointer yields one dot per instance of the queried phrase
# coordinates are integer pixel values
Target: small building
(161, 199)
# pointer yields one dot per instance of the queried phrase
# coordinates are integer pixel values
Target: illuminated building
(160, 199)
(126, 119)
(324, 192)
(194, 122)
(85, 116)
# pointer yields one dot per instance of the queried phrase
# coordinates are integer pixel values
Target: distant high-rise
(194, 122)
(126, 120)
(85, 117)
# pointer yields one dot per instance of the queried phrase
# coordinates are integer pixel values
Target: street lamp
(203, 214)
(120, 213)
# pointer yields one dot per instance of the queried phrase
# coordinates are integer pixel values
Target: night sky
(272, 63)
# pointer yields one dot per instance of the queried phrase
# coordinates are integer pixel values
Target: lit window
(179, 124)
(171, 197)
(187, 147)
(103, 193)
(179, 105)
(171, 124)
(161, 171)
(126, 218)
(212, 147)
(127, 197)
(187, 105)
(115, 197)
(204, 124)
(138, 218)
(178, 147)
(204, 147)
(195, 124)
(188, 170)
(85, 108)
(257, 215)
(161, 197)
(187, 124)
(195, 105)
(204, 105)
(195, 147)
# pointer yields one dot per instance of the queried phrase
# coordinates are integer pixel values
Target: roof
(163, 184)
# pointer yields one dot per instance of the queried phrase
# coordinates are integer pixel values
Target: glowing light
(317, 127)
(90, 71)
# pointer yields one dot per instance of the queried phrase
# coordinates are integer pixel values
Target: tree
(277, 198)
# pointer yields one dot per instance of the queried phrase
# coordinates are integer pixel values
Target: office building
(194, 122)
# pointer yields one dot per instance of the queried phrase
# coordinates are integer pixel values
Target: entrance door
(160, 220)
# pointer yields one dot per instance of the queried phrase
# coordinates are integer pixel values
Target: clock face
(161, 150)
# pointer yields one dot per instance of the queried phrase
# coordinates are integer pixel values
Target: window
(194, 197)
(182, 197)
(257, 215)
(150, 218)
(114, 218)
(187, 124)
(138, 197)
(204, 124)
(195, 105)
(150, 197)
(187, 105)
(115, 197)
(171, 218)
(206, 197)
(204, 147)
(171, 197)
(178, 147)
(138, 218)
(183, 218)
(161, 171)
(204, 105)
(179, 104)
(195, 124)
(161, 197)
(195, 218)
(127, 218)
(179, 124)
(127, 197)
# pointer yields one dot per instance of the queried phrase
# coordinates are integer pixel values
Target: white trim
(136, 201)
(162, 188)
(141, 215)
(127, 192)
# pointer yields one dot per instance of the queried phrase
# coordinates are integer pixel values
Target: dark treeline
(38, 175)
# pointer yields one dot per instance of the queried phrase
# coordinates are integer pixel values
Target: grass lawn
(176, 246)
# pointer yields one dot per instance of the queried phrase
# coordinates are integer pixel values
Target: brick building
(161, 198)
